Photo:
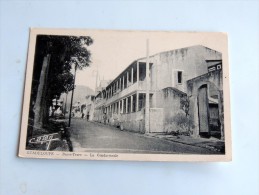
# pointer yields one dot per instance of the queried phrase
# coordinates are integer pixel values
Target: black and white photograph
(126, 95)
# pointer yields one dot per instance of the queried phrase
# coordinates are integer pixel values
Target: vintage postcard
(126, 95)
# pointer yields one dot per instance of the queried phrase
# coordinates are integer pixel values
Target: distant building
(102, 85)
(77, 110)
(185, 81)
(88, 107)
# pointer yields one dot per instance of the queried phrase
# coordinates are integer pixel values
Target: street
(96, 137)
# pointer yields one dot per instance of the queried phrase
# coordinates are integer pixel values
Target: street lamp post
(65, 108)
(147, 119)
(71, 103)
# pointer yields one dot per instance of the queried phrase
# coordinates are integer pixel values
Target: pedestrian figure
(104, 118)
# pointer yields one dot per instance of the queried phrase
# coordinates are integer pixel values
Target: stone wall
(133, 121)
(156, 120)
(170, 100)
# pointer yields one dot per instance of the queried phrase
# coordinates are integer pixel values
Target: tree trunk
(41, 95)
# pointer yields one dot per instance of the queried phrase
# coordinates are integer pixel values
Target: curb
(211, 148)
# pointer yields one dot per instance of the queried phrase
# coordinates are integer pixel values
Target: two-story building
(122, 102)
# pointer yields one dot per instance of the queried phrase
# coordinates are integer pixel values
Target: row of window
(122, 83)
(126, 105)
(119, 85)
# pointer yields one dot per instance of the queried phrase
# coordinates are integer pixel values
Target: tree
(62, 52)
(68, 87)
(185, 104)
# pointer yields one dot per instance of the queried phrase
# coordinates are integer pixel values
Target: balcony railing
(140, 85)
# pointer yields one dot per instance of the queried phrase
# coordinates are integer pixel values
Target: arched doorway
(208, 111)
(203, 111)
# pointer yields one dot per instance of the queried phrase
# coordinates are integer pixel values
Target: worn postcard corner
(126, 95)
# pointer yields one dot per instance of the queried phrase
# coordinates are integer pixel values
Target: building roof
(177, 91)
(151, 56)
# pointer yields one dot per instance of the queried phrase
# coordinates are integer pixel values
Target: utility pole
(96, 82)
(147, 91)
(65, 110)
(71, 103)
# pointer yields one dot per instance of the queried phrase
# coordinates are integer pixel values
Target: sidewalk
(212, 144)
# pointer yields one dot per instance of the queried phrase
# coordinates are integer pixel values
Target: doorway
(203, 111)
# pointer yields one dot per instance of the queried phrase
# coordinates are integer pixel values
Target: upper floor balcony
(138, 86)
(132, 79)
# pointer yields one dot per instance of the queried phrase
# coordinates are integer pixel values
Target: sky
(113, 51)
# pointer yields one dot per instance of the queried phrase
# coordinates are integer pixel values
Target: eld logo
(45, 138)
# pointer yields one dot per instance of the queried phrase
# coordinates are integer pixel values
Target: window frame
(177, 74)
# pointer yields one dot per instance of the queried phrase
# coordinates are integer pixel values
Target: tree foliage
(65, 52)
(185, 104)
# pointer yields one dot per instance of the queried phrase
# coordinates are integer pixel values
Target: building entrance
(203, 111)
